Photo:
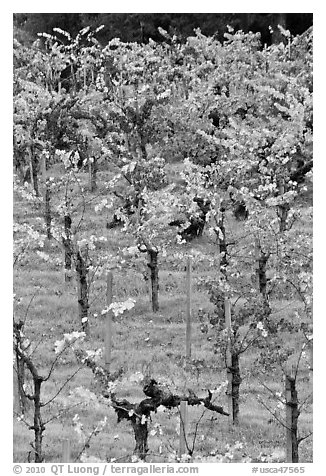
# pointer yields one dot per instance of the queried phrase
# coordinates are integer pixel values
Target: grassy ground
(143, 342)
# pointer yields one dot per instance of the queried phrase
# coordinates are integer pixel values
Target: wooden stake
(183, 427)
(149, 286)
(31, 167)
(183, 403)
(66, 451)
(79, 299)
(90, 173)
(257, 267)
(46, 198)
(188, 311)
(217, 209)
(218, 259)
(227, 310)
(108, 321)
(43, 168)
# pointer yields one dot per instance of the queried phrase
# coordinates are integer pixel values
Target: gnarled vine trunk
(261, 276)
(82, 286)
(68, 247)
(33, 169)
(282, 209)
(21, 381)
(92, 168)
(153, 266)
(152, 254)
(235, 389)
(38, 426)
(292, 416)
(20, 371)
(141, 437)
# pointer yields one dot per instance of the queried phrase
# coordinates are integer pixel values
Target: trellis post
(31, 166)
(66, 451)
(90, 172)
(183, 427)
(227, 310)
(183, 403)
(188, 311)
(46, 198)
(108, 321)
(257, 266)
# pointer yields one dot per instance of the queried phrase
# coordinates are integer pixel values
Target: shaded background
(140, 27)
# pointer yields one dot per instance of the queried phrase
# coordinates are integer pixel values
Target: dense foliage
(184, 135)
